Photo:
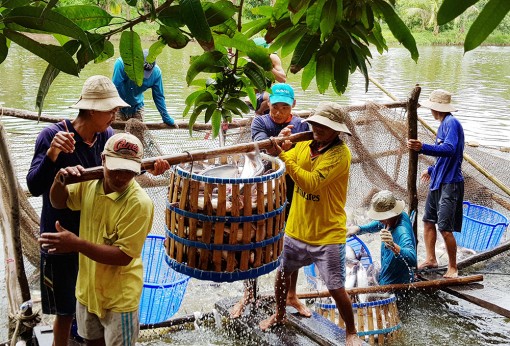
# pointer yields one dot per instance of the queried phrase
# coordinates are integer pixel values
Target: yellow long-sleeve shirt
(317, 215)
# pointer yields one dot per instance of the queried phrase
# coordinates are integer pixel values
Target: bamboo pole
(432, 284)
(194, 155)
(468, 158)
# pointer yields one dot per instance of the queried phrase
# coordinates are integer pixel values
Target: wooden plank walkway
(298, 330)
(487, 297)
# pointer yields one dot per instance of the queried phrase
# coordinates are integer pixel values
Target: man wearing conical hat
(444, 201)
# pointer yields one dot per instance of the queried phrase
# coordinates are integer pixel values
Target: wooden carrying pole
(432, 284)
(194, 155)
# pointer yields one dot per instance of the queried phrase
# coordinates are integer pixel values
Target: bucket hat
(123, 151)
(384, 206)
(330, 114)
(439, 100)
(99, 94)
(282, 92)
(147, 66)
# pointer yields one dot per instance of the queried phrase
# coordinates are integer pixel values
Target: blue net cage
(356, 244)
(482, 228)
(163, 288)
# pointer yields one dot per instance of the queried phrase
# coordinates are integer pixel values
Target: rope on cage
(21, 319)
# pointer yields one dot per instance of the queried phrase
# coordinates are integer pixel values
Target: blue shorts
(58, 283)
(444, 207)
(329, 259)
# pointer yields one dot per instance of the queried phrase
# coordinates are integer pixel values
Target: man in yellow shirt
(316, 227)
(116, 216)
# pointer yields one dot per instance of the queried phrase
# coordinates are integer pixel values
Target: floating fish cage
(163, 287)
(376, 320)
(482, 228)
(224, 225)
(361, 251)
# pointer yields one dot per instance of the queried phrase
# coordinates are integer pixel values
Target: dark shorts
(260, 99)
(329, 259)
(58, 283)
(444, 207)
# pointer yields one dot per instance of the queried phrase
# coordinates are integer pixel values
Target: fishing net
(380, 160)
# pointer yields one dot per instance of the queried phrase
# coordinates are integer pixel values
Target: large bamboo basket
(225, 229)
(376, 321)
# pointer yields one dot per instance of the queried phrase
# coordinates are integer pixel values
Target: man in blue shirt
(398, 246)
(444, 201)
(133, 94)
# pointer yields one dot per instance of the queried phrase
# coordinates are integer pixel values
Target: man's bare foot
(300, 307)
(451, 273)
(270, 322)
(353, 340)
(427, 265)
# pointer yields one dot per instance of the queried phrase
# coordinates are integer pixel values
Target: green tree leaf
(52, 22)
(106, 54)
(451, 9)
(328, 18)
(193, 16)
(324, 72)
(397, 27)
(313, 16)
(208, 59)
(173, 37)
(216, 122)
(256, 76)
(54, 55)
(132, 55)
(490, 17)
(171, 16)
(4, 49)
(50, 74)
(308, 73)
(217, 13)
(86, 16)
(305, 49)
(341, 71)
(236, 104)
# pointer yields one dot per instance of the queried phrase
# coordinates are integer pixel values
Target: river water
(479, 82)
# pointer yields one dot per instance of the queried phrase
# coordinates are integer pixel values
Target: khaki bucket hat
(330, 114)
(439, 100)
(99, 94)
(384, 206)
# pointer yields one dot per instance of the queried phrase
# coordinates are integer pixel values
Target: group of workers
(90, 256)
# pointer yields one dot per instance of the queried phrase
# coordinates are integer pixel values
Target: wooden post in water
(412, 173)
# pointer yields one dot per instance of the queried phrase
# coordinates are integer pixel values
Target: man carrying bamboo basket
(316, 227)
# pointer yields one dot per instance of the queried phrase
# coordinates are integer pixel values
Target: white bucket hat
(384, 206)
(439, 100)
(99, 94)
(123, 151)
(330, 114)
